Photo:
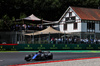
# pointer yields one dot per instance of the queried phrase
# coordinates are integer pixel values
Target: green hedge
(21, 47)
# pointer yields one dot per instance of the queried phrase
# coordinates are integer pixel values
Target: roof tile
(87, 13)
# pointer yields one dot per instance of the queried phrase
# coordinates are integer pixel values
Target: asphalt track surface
(13, 58)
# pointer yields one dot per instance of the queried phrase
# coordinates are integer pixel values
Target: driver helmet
(40, 51)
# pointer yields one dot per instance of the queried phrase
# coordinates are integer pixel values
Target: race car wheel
(28, 60)
(28, 57)
(50, 56)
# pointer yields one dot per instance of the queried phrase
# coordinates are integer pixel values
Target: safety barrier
(22, 47)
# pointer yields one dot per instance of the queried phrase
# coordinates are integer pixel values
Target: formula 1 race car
(39, 56)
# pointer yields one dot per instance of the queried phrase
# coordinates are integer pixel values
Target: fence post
(49, 37)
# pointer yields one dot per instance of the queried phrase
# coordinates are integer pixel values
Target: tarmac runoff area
(1, 60)
(93, 61)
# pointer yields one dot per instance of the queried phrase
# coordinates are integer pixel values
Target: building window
(90, 26)
(67, 19)
(72, 18)
(65, 27)
(93, 26)
(75, 25)
(99, 25)
(70, 14)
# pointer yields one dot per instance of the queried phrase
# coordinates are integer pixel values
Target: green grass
(77, 51)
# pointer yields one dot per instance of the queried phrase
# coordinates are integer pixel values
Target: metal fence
(21, 38)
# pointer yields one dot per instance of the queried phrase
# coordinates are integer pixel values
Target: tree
(50, 10)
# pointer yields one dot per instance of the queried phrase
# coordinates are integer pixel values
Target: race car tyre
(28, 57)
(50, 56)
(28, 60)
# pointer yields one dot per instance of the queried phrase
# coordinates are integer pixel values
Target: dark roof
(87, 13)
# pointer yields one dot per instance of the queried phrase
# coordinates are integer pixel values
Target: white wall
(97, 28)
(70, 25)
(61, 27)
(83, 27)
(67, 15)
(70, 28)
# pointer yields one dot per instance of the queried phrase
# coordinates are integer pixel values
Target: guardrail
(22, 47)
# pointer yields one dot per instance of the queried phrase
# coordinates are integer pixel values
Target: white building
(82, 22)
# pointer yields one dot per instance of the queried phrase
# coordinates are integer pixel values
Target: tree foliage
(46, 9)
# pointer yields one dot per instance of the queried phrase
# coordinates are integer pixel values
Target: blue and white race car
(39, 56)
